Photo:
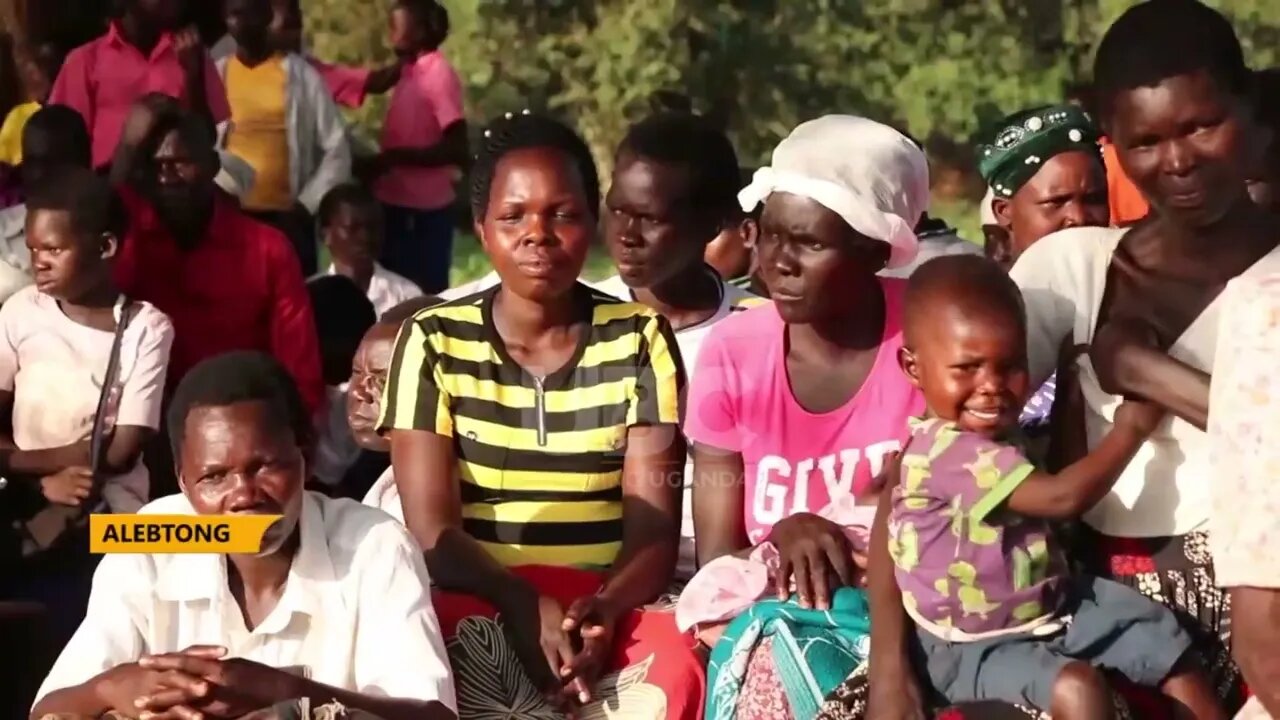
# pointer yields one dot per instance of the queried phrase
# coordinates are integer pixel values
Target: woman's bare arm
(652, 475)
(425, 465)
(718, 502)
(1179, 388)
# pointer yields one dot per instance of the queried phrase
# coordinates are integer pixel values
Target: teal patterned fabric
(813, 650)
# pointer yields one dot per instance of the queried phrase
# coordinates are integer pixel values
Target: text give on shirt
(204, 534)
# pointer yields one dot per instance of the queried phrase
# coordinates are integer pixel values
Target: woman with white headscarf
(800, 402)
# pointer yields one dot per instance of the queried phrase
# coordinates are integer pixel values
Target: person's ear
(910, 367)
(997, 246)
(478, 228)
(750, 230)
(1003, 209)
(110, 245)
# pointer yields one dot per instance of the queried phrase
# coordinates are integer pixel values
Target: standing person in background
(285, 125)
(674, 187)
(351, 227)
(142, 52)
(350, 86)
(424, 143)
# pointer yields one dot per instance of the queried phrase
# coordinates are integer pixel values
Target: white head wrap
(986, 210)
(871, 175)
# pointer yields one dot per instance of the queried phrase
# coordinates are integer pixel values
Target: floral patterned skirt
(655, 674)
(1176, 572)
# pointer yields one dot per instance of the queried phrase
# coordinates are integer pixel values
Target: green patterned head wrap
(1027, 140)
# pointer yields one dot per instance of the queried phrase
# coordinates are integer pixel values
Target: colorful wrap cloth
(811, 652)
(729, 585)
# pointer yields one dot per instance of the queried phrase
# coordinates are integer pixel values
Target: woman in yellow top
(535, 444)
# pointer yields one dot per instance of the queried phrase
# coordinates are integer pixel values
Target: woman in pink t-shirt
(801, 401)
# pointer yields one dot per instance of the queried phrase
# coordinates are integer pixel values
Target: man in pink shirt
(350, 86)
(424, 142)
(141, 53)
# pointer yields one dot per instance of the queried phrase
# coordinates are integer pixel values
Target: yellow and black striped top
(539, 459)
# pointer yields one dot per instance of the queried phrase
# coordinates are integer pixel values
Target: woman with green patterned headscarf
(1045, 170)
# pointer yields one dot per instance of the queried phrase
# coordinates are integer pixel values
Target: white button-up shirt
(387, 289)
(356, 611)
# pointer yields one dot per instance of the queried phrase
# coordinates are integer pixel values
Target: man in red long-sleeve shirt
(226, 281)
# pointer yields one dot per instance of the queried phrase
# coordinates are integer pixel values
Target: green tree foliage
(942, 70)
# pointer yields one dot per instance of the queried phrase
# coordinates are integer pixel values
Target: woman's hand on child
(69, 487)
(1139, 416)
(816, 553)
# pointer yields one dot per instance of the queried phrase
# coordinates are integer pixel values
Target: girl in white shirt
(55, 342)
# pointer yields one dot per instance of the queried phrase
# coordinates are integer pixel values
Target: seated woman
(800, 403)
(535, 445)
(333, 609)
(1175, 97)
(1044, 167)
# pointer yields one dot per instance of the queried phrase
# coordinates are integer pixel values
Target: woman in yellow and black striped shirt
(535, 443)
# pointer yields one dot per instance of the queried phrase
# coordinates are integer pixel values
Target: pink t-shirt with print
(426, 101)
(796, 461)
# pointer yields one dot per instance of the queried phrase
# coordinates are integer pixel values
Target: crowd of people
(807, 454)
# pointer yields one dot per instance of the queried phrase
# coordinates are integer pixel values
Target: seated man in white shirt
(333, 609)
(351, 226)
(364, 401)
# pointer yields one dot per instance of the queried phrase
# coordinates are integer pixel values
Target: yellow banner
(235, 534)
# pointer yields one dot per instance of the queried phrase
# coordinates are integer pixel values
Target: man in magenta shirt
(424, 142)
(140, 54)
